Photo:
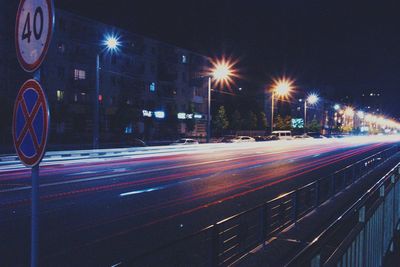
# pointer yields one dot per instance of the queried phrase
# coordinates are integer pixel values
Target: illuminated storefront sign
(188, 116)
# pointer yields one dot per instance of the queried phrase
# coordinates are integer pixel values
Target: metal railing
(362, 235)
(226, 241)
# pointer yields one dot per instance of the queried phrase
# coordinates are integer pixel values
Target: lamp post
(111, 44)
(281, 88)
(311, 99)
(209, 110)
(222, 72)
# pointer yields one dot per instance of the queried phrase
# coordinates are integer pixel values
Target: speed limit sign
(33, 31)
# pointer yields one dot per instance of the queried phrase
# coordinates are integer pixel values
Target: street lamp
(111, 44)
(222, 72)
(312, 99)
(281, 88)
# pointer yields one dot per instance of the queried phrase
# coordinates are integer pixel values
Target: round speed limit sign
(33, 31)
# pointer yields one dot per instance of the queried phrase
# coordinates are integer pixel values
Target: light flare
(223, 72)
(283, 87)
(312, 99)
(111, 43)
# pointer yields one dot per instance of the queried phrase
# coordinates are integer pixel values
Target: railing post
(215, 246)
(393, 181)
(393, 224)
(363, 236)
(361, 215)
(382, 222)
(317, 189)
(264, 223)
(316, 261)
(295, 205)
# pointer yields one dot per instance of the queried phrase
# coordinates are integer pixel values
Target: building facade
(148, 89)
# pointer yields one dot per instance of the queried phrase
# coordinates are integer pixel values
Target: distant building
(150, 89)
(371, 101)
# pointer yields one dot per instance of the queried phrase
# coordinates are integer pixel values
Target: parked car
(302, 136)
(271, 137)
(260, 138)
(184, 141)
(227, 139)
(129, 140)
(316, 135)
(242, 139)
(136, 142)
(283, 135)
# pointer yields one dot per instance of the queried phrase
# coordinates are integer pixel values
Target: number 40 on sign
(34, 27)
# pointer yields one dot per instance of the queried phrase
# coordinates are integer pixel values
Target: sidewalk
(285, 245)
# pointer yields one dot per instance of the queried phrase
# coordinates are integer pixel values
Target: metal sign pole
(37, 17)
(35, 206)
(35, 217)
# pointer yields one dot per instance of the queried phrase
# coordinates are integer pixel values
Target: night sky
(350, 47)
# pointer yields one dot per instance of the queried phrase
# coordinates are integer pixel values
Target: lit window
(60, 95)
(184, 59)
(129, 129)
(79, 75)
(152, 87)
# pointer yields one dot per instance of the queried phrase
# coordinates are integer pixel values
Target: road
(101, 211)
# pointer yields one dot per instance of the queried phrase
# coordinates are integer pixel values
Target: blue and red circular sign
(30, 123)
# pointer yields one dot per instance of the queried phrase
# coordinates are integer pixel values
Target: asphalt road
(101, 211)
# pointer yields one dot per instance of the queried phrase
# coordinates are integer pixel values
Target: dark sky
(351, 46)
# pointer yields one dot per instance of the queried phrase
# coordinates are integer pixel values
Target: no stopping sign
(30, 123)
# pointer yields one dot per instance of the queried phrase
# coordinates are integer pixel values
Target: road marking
(141, 191)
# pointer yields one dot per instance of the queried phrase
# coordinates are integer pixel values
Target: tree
(221, 121)
(262, 121)
(314, 126)
(236, 121)
(288, 123)
(283, 123)
(250, 121)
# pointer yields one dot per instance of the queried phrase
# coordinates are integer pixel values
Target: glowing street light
(281, 88)
(111, 44)
(336, 107)
(312, 99)
(222, 73)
